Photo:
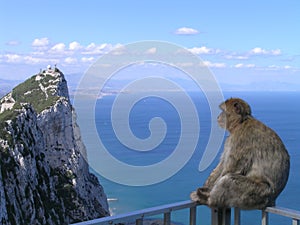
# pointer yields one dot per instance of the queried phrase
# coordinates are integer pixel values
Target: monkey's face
(222, 119)
(234, 111)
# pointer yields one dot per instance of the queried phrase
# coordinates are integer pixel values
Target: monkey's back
(270, 160)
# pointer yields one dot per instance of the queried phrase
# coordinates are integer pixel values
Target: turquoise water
(279, 110)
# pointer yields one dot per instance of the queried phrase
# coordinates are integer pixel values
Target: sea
(127, 191)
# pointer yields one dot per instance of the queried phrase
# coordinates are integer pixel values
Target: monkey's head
(234, 112)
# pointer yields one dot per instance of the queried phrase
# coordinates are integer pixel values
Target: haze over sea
(278, 110)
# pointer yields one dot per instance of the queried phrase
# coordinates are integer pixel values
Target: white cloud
(32, 60)
(40, 42)
(73, 54)
(105, 65)
(241, 65)
(186, 64)
(13, 43)
(38, 53)
(35, 60)
(12, 58)
(203, 50)
(73, 46)
(273, 67)
(261, 51)
(27, 59)
(58, 48)
(151, 51)
(214, 65)
(87, 59)
(186, 31)
(239, 57)
(276, 52)
(93, 49)
(118, 49)
(70, 60)
(258, 51)
(286, 67)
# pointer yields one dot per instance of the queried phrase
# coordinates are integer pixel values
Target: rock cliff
(44, 177)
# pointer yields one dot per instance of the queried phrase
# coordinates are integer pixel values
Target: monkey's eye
(224, 113)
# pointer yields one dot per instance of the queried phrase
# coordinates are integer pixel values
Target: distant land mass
(117, 84)
(44, 177)
(7, 85)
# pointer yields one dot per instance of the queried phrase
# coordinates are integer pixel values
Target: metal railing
(218, 216)
(290, 213)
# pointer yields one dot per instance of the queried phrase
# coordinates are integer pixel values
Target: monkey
(254, 166)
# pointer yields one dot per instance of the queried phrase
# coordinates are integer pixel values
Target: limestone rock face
(44, 177)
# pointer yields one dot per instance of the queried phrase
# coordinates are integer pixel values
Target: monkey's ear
(238, 108)
(242, 109)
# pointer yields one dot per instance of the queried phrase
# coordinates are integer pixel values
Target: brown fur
(254, 166)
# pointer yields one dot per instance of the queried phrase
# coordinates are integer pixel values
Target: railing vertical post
(215, 216)
(193, 213)
(237, 216)
(167, 218)
(220, 216)
(265, 218)
(295, 222)
(226, 216)
(139, 222)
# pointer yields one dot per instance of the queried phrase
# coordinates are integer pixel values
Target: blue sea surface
(278, 110)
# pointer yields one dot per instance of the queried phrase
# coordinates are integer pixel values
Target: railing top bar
(140, 214)
(143, 213)
(284, 212)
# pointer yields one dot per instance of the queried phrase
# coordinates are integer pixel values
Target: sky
(242, 42)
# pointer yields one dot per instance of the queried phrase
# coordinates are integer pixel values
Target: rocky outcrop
(44, 177)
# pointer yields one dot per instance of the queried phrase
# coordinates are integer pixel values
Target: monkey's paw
(194, 197)
(200, 195)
